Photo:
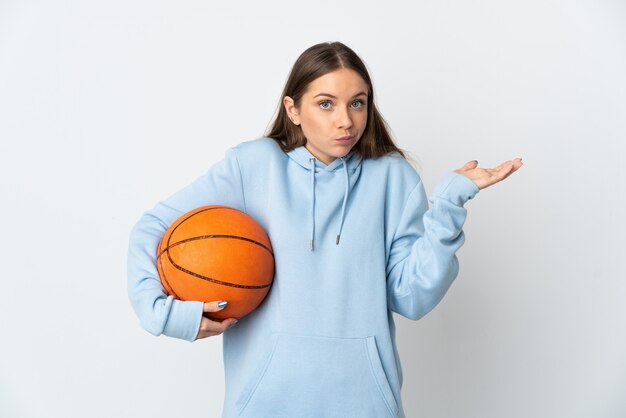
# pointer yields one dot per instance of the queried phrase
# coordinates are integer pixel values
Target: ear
(292, 110)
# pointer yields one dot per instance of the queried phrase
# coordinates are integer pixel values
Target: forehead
(343, 81)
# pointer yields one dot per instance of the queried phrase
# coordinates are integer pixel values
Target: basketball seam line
(199, 275)
(241, 286)
(217, 236)
(159, 259)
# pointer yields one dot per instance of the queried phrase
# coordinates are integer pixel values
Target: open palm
(485, 177)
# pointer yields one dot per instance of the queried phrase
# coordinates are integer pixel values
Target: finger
(215, 327)
(516, 162)
(205, 334)
(216, 306)
(209, 326)
(516, 165)
(504, 170)
(470, 165)
(230, 322)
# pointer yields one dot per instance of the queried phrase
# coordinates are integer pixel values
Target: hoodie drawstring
(312, 161)
(345, 199)
(343, 206)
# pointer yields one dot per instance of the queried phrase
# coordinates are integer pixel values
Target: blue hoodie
(354, 241)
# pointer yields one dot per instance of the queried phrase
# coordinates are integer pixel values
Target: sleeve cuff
(456, 188)
(184, 320)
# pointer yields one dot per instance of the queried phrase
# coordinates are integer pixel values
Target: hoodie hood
(346, 166)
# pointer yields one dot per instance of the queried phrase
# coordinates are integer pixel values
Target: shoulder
(395, 175)
(253, 154)
(259, 147)
(394, 167)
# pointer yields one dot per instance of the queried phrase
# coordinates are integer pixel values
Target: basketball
(217, 253)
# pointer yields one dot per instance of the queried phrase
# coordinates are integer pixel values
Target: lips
(345, 138)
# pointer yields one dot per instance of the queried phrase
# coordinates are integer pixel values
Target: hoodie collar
(302, 156)
(309, 162)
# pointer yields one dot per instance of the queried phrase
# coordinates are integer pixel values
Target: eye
(357, 104)
(325, 105)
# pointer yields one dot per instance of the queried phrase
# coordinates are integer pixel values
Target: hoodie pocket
(306, 376)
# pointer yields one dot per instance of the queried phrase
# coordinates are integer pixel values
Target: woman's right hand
(210, 327)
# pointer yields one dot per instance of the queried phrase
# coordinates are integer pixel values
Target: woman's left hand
(485, 177)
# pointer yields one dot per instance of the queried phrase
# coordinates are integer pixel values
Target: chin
(340, 154)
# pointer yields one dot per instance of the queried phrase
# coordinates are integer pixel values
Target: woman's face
(332, 113)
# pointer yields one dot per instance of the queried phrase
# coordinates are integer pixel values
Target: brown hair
(315, 62)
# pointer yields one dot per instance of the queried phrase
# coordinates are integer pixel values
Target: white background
(108, 107)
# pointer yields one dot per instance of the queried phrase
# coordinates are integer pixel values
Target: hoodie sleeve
(422, 263)
(159, 313)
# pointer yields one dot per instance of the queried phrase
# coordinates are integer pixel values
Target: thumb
(470, 165)
(214, 306)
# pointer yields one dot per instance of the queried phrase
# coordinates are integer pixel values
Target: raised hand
(485, 177)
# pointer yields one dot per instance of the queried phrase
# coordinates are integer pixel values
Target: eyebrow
(334, 97)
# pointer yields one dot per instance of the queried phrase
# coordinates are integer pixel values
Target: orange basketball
(217, 253)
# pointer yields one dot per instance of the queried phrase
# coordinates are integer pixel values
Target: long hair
(315, 62)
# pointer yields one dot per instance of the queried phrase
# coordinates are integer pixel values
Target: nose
(343, 119)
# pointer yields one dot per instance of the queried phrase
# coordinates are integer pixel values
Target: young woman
(354, 241)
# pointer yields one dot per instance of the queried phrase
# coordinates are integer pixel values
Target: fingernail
(222, 304)
(476, 161)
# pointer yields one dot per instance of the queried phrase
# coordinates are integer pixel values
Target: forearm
(158, 313)
(425, 256)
